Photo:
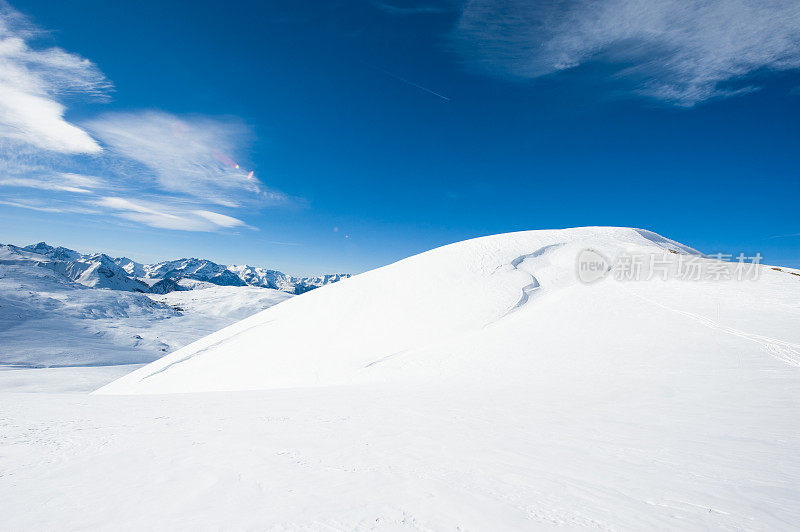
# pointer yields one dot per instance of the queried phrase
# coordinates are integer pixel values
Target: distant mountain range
(99, 270)
(63, 308)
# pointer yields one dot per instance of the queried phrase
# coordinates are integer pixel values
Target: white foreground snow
(476, 386)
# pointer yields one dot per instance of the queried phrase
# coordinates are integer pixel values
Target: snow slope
(48, 320)
(474, 387)
(224, 302)
(405, 320)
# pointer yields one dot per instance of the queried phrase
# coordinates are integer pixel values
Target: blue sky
(377, 130)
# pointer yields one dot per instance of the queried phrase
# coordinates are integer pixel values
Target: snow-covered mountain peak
(131, 267)
(9, 253)
(256, 276)
(54, 253)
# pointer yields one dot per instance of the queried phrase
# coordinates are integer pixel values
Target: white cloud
(64, 182)
(31, 83)
(48, 205)
(88, 181)
(168, 216)
(157, 169)
(679, 51)
(41, 184)
(194, 156)
(221, 220)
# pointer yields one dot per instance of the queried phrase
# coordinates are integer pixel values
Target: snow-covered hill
(502, 305)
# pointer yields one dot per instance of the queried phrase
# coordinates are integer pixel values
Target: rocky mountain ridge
(99, 270)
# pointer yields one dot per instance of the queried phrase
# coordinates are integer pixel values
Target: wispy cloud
(168, 216)
(220, 220)
(148, 167)
(51, 205)
(673, 50)
(191, 155)
(33, 80)
(157, 169)
(63, 182)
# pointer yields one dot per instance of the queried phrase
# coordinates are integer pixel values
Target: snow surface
(475, 386)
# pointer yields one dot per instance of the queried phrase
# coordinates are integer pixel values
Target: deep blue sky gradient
(400, 170)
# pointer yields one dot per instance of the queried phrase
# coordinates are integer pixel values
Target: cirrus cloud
(672, 50)
(150, 167)
(168, 216)
(186, 155)
(33, 80)
(64, 182)
(158, 169)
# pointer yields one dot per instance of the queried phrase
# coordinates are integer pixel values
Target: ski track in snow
(534, 285)
(382, 359)
(200, 351)
(786, 352)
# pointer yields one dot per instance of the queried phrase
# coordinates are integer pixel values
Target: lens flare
(224, 159)
(230, 163)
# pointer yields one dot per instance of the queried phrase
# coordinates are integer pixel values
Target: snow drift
(504, 305)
